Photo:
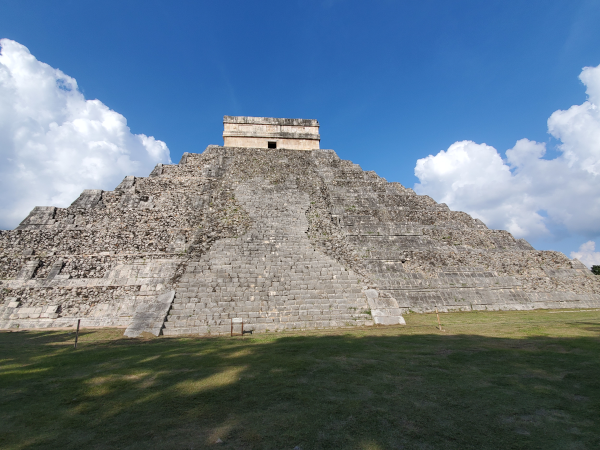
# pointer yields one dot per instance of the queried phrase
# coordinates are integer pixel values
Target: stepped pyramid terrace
(274, 231)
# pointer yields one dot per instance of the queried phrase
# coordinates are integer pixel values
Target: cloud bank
(54, 143)
(525, 193)
(587, 254)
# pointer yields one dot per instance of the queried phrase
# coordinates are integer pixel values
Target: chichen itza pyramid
(271, 230)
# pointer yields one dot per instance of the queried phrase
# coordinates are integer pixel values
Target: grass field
(489, 380)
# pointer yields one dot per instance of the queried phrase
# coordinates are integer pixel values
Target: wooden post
(77, 332)
(438, 317)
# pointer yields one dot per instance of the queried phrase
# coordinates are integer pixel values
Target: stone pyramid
(280, 238)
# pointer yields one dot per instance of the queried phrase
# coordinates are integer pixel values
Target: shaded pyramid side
(427, 256)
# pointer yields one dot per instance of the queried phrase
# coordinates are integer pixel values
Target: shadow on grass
(348, 391)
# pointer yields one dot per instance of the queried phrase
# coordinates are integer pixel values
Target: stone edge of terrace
(270, 121)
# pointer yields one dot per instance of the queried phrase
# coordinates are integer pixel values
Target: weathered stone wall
(263, 142)
(279, 238)
(256, 132)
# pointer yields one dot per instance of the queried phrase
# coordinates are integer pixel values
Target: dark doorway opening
(272, 144)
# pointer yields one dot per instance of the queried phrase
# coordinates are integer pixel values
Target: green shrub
(596, 270)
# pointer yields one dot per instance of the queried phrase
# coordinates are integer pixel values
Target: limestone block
(89, 198)
(384, 308)
(40, 216)
(55, 269)
(127, 183)
(28, 270)
(388, 320)
(150, 316)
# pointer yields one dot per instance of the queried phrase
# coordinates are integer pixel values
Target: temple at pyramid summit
(266, 132)
(271, 232)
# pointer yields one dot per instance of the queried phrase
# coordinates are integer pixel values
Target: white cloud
(587, 254)
(54, 143)
(526, 194)
(579, 127)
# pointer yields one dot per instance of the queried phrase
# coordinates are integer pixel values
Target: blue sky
(390, 82)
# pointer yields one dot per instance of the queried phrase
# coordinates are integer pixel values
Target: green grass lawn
(489, 380)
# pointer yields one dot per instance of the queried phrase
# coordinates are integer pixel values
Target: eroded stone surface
(272, 277)
(150, 316)
(280, 238)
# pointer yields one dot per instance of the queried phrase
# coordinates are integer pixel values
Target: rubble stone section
(426, 256)
(279, 238)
